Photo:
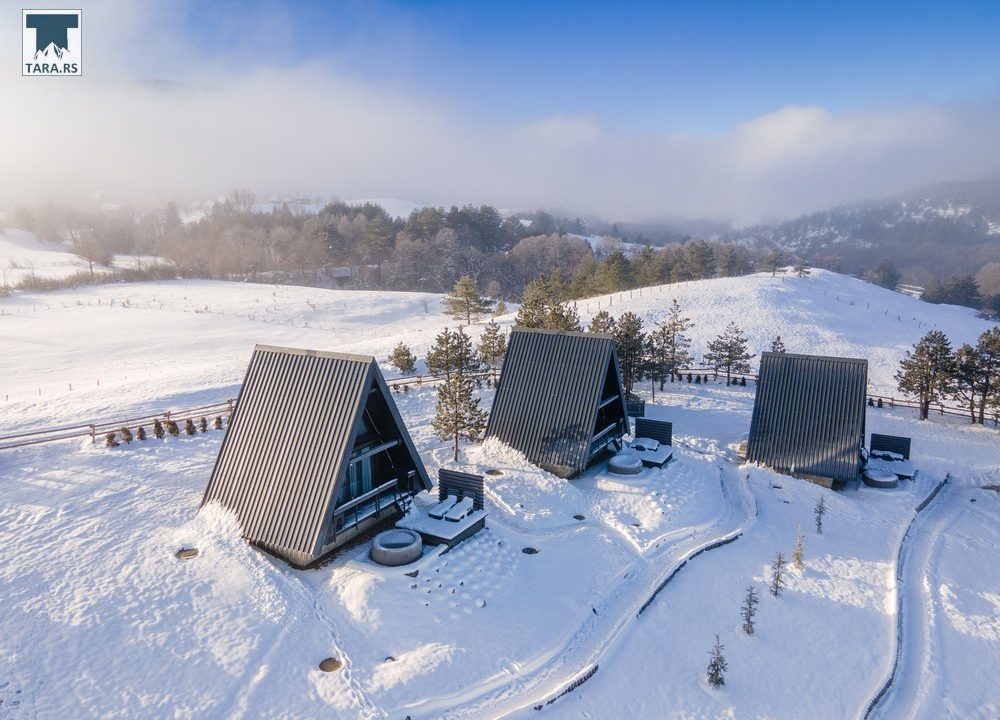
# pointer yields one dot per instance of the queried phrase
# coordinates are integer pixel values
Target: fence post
(93, 435)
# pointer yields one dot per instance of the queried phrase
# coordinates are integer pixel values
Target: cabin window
(359, 479)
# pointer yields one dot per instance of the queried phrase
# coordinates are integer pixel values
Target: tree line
(933, 372)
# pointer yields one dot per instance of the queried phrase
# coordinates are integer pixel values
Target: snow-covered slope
(101, 619)
(22, 255)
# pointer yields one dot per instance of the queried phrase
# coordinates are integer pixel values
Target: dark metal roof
(809, 415)
(548, 396)
(284, 453)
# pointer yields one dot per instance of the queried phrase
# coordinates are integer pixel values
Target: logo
(51, 42)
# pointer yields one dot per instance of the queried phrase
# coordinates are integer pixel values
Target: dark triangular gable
(378, 393)
(549, 396)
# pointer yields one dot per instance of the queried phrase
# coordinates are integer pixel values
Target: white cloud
(311, 130)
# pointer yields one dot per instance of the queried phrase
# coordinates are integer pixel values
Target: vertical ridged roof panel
(809, 415)
(549, 391)
(287, 442)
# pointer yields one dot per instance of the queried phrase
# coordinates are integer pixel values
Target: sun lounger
(441, 509)
(462, 508)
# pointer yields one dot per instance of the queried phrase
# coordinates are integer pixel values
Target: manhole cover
(579, 517)
(494, 472)
(529, 551)
(331, 665)
(187, 553)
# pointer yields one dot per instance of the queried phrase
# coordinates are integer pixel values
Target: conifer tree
(189, 427)
(402, 358)
(458, 412)
(218, 422)
(563, 317)
(965, 383)
(158, 428)
(749, 610)
(602, 323)
(172, 428)
(203, 424)
(110, 441)
(819, 512)
(534, 310)
(988, 354)
(126, 434)
(729, 352)
(451, 351)
(492, 346)
(797, 556)
(500, 308)
(140, 434)
(717, 665)
(775, 259)
(465, 303)
(670, 346)
(631, 344)
(801, 269)
(777, 574)
(926, 371)
(777, 346)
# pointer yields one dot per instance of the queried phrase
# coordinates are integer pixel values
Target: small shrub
(126, 435)
(717, 665)
(110, 441)
(203, 424)
(140, 434)
(158, 429)
(750, 610)
(777, 574)
(172, 428)
(218, 422)
(189, 427)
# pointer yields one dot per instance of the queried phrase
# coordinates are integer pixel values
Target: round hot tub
(396, 547)
(624, 464)
(880, 478)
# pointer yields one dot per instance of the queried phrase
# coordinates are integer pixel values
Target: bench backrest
(661, 430)
(461, 485)
(891, 443)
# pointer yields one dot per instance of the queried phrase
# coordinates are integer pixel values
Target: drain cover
(529, 551)
(331, 665)
(187, 553)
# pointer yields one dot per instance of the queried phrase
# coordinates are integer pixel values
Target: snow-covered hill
(101, 619)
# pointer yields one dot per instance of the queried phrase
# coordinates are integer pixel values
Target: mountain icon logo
(51, 32)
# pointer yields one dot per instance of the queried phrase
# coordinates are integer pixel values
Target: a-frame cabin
(315, 453)
(809, 416)
(559, 399)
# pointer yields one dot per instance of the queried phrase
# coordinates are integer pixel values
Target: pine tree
(717, 665)
(402, 358)
(777, 574)
(797, 556)
(501, 308)
(158, 428)
(203, 424)
(602, 323)
(534, 310)
(452, 351)
(218, 422)
(140, 434)
(988, 352)
(126, 434)
(749, 610)
(819, 512)
(965, 381)
(631, 343)
(729, 352)
(926, 371)
(801, 270)
(458, 412)
(492, 346)
(777, 345)
(464, 302)
(670, 346)
(189, 427)
(563, 317)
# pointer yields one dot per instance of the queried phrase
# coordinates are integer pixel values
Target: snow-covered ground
(100, 618)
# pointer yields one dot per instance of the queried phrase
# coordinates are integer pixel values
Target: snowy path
(909, 679)
(595, 638)
(918, 688)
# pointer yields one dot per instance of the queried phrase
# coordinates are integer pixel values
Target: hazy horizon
(186, 103)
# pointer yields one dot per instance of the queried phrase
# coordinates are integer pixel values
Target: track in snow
(910, 679)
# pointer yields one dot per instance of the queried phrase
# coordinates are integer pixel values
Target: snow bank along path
(910, 564)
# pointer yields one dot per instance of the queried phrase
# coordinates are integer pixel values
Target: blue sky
(686, 67)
